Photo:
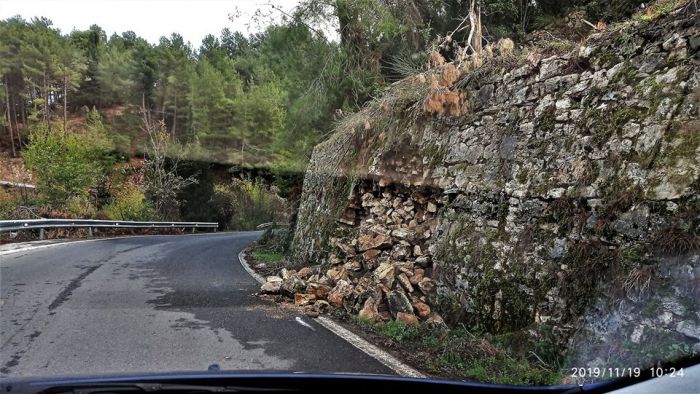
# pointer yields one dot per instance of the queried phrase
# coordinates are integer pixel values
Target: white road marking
(35, 247)
(69, 242)
(377, 353)
(305, 324)
(244, 263)
(373, 351)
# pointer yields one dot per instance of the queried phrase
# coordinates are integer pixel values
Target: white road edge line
(70, 242)
(373, 351)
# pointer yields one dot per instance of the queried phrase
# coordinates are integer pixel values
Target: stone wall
(563, 201)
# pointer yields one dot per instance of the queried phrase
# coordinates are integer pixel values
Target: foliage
(399, 331)
(80, 206)
(474, 356)
(266, 256)
(129, 203)
(161, 180)
(115, 75)
(67, 165)
(243, 204)
(8, 203)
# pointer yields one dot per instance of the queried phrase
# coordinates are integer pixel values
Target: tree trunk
(174, 120)
(478, 36)
(9, 119)
(65, 104)
(46, 104)
(475, 38)
(18, 131)
(23, 111)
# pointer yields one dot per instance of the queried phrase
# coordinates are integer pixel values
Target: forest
(92, 116)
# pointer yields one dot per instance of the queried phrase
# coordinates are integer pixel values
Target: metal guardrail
(42, 224)
(263, 226)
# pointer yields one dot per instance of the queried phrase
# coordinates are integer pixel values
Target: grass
(267, 256)
(460, 354)
(659, 9)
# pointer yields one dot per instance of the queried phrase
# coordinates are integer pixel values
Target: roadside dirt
(12, 169)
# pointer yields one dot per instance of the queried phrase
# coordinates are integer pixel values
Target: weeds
(267, 256)
(638, 280)
(675, 240)
(659, 9)
(460, 353)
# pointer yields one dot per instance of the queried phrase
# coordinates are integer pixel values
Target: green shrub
(8, 204)
(80, 206)
(399, 331)
(244, 204)
(269, 257)
(129, 203)
(66, 165)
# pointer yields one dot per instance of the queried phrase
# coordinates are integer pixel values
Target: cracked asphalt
(154, 304)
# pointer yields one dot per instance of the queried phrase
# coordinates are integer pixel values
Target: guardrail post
(41, 233)
(192, 230)
(90, 232)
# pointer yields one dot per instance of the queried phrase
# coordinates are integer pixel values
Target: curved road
(153, 304)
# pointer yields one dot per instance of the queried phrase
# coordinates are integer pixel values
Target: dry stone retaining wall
(564, 202)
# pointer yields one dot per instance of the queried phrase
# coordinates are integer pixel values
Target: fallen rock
(399, 233)
(367, 241)
(322, 305)
(418, 275)
(385, 273)
(371, 255)
(273, 279)
(399, 302)
(311, 311)
(369, 310)
(407, 318)
(417, 251)
(313, 278)
(304, 273)
(303, 299)
(319, 290)
(362, 286)
(339, 292)
(404, 266)
(271, 287)
(292, 285)
(435, 321)
(426, 285)
(347, 249)
(337, 273)
(285, 273)
(403, 279)
(353, 265)
(423, 261)
(422, 309)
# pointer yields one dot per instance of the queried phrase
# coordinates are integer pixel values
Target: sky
(150, 19)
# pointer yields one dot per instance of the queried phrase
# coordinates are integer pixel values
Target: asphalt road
(154, 304)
